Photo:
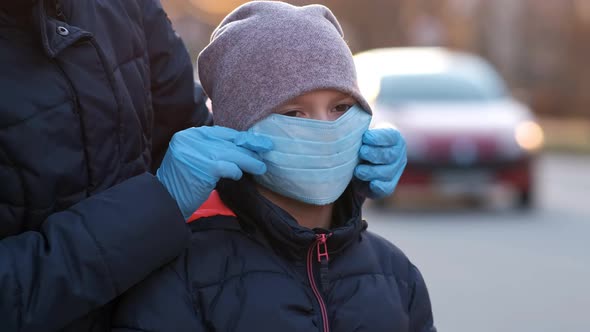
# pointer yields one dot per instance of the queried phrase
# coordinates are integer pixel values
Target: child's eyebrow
(289, 105)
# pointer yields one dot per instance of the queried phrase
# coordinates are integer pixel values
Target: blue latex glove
(384, 155)
(198, 157)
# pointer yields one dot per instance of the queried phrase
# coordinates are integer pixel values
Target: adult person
(90, 94)
(287, 250)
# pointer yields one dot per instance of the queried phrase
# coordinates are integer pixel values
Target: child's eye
(342, 108)
(291, 113)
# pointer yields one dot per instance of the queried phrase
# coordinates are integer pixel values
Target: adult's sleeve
(178, 101)
(421, 319)
(163, 302)
(87, 255)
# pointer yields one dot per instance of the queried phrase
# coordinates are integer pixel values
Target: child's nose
(322, 115)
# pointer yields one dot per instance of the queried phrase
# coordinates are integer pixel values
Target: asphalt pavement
(498, 269)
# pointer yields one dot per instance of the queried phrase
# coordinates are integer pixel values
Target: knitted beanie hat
(265, 53)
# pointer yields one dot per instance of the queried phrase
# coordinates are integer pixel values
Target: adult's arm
(87, 255)
(178, 102)
(162, 302)
(420, 308)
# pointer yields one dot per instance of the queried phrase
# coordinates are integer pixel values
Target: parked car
(464, 130)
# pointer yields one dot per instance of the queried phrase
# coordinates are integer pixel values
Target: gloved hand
(198, 157)
(384, 155)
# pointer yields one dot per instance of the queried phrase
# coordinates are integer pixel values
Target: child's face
(327, 105)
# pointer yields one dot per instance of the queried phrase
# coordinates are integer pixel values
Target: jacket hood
(259, 216)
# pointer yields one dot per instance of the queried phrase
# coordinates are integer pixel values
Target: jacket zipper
(322, 253)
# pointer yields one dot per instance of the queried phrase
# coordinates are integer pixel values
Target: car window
(439, 87)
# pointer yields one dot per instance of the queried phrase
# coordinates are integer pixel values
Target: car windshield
(439, 87)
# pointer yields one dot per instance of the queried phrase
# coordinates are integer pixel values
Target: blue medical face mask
(313, 160)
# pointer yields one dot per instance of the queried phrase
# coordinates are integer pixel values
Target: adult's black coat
(90, 93)
(251, 267)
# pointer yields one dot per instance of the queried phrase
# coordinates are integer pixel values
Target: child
(287, 250)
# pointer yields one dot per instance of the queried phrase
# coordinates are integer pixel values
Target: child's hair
(265, 53)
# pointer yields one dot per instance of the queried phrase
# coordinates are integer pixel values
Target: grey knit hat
(265, 53)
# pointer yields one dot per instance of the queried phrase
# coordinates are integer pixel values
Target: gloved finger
(245, 159)
(245, 139)
(382, 137)
(382, 155)
(228, 170)
(207, 161)
(378, 172)
(253, 142)
(223, 133)
(381, 189)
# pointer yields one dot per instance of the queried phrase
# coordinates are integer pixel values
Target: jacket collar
(44, 19)
(273, 225)
(56, 35)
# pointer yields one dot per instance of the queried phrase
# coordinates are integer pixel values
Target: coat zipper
(322, 253)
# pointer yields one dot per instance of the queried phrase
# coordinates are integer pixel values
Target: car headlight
(529, 136)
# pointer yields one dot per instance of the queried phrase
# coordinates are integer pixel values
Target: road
(501, 270)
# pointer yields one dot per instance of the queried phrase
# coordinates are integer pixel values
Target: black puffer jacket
(260, 272)
(90, 93)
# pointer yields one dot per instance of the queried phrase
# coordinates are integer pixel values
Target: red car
(463, 129)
